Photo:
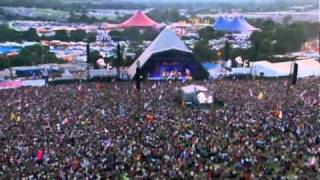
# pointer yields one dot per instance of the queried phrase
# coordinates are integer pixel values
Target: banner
(34, 83)
(18, 83)
(10, 84)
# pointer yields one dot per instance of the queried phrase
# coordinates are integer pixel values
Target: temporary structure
(307, 67)
(193, 88)
(233, 25)
(139, 19)
(168, 47)
(195, 94)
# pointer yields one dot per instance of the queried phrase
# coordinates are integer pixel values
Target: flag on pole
(154, 86)
(65, 121)
(39, 155)
(250, 92)
(260, 95)
(302, 94)
(99, 86)
(79, 87)
(183, 104)
(312, 161)
(277, 114)
(149, 118)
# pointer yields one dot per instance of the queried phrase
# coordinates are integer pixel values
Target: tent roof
(193, 89)
(307, 67)
(166, 40)
(221, 23)
(237, 24)
(246, 25)
(138, 19)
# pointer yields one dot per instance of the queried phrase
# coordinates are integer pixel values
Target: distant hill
(129, 4)
(31, 3)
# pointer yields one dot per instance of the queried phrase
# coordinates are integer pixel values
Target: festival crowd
(110, 130)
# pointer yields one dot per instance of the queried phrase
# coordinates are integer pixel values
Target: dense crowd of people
(110, 130)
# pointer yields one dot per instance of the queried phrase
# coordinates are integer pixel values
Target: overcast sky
(233, 1)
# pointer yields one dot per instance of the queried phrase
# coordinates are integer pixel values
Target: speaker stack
(138, 80)
(295, 74)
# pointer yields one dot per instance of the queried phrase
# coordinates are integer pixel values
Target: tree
(208, 33)
(30, 35)
(81, 18)
(226, 51)
(4, 62)
(33, 55)
(165, 15)
(94, 56)
(203, 51)
(287, 20)
(116, 35)
(91, 37)
(119, 61)
(149, 34)
(281, 39)
(288, 40)
(78, 35)
(132, 34)
(33, 3)
(8, 34)
(62, 35)
(256, 49)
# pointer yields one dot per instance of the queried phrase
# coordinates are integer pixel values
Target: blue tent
(219, 24)
(6, 50)
(237, 25)
(222, 24)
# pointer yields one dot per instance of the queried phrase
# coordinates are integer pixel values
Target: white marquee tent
(307, 67)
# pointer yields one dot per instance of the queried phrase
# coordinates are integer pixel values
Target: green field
(49, 14)
(52, 13)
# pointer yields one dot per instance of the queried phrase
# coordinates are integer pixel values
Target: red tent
(138, 19)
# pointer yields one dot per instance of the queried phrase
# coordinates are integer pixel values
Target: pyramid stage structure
(167, 56)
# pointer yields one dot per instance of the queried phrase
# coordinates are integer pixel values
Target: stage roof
(233, 25)
(166, 40)
(139, 19)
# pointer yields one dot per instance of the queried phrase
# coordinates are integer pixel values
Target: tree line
(29, 56)
(281, 38)
(62, 5)
(274, 39)
(277, 39)
(222, 6)
(8, 34)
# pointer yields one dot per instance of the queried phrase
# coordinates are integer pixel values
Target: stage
(160, 78)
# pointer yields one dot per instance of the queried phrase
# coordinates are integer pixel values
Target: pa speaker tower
(88, 53)
(138, 74)
(295, 74)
